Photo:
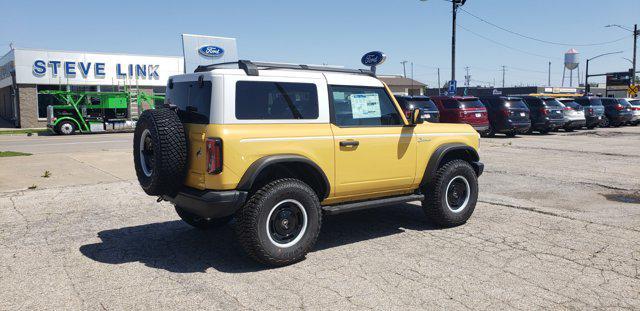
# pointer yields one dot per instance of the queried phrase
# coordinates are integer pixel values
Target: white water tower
(571, 62)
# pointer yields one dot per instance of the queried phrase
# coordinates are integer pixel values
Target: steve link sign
(73, 69)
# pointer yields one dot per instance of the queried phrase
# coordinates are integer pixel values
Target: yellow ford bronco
(277, 146)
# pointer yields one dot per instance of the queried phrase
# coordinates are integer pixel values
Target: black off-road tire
(166, 164)
(253, 218)
(435, 205)
(202, 223)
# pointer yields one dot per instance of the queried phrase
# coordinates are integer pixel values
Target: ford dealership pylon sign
(207, 50)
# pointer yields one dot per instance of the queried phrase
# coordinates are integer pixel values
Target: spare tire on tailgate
(160, 151)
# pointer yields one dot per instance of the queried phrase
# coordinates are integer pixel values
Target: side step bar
(349, 207)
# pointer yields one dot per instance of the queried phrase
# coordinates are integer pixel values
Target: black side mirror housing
(416, 116)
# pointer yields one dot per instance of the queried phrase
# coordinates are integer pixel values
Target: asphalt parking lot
(557, 226)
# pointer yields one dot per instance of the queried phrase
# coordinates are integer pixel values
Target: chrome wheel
(286, 223)
(66, 128)
(458, 194)
(146, 153)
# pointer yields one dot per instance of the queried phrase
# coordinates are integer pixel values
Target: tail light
(214, 155)
(635, 108)
(618, 107)
(567, 108)
(590, 110)
(544, 111)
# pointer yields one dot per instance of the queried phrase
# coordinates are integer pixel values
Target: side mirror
(416, 116)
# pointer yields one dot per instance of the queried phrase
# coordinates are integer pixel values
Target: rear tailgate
(475, 116)
(519, 115)
(197, 155)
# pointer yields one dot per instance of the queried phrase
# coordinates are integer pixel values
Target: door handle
(349, 143)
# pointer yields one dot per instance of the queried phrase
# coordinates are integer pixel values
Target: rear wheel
(160, 151)
(568, 129)
(199, 222)
(605, 121)
(511, 134)
(544, 132)
(452, 195)
(65, 127)
(280, 222)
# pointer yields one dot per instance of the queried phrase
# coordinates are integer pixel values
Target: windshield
(515, 104)
(421, 103)
(470, 103)
(552, 102)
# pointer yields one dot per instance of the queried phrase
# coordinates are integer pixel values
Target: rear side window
(260, 100)
(635, 102)
(363, 106)
(193, 100)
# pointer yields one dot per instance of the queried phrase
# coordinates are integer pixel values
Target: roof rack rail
(252, 69)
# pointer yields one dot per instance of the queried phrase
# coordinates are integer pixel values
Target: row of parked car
(511, 115)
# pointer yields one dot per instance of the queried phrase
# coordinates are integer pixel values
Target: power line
(536, 39)
(504, 45)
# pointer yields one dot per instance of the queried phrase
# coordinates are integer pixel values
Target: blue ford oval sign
(374, 58)
(211, 51)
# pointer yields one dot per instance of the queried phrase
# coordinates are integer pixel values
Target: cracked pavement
(543, 236)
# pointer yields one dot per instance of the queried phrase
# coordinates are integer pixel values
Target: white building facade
(25, 72)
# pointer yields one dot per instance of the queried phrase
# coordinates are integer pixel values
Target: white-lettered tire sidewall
(259, 244)
(467, 172)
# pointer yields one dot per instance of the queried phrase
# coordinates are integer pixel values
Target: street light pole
(587, 88)
(453, 40)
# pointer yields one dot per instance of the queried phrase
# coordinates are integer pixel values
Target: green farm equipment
(90, 112)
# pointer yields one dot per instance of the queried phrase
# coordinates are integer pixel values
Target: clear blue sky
(339, 32)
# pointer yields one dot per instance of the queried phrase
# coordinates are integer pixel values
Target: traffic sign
(633, 89)
(453, 87)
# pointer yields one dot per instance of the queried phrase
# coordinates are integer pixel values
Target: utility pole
(404, 69)
(438, 81)
(453, 40)
(636, 33)
(549, 78)
(504, 69)
(411, 78)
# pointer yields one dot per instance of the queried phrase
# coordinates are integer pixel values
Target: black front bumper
(208, 203)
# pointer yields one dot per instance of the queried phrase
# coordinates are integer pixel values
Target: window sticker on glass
(364, 106)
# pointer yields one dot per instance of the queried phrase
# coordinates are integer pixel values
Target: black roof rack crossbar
(251, 68)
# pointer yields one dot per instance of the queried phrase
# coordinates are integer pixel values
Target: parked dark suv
(507, 115)
(408, 103)
(545, 112)
(615, 114)
(593, 110)
(463, 109)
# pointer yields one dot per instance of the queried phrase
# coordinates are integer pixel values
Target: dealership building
(26, 72)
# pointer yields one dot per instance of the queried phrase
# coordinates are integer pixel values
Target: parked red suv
(463, 109)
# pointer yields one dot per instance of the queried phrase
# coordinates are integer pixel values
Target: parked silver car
(573, 114)
(635, 107)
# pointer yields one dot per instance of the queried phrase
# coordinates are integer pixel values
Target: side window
(363, 106)
(260, 100)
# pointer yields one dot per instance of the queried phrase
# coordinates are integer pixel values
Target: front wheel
(280, 222)
(452, 195)
(65, 127)
(199, 222)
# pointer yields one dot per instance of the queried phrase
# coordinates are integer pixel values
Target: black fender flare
(436, 158)
(254, 170)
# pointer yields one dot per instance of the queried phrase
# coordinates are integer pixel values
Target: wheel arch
(289, 165)
(448, 152)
